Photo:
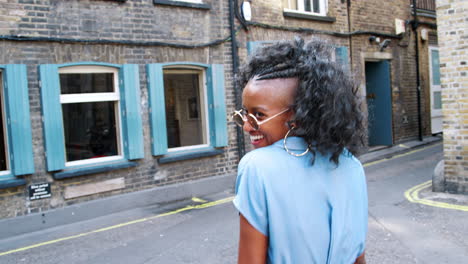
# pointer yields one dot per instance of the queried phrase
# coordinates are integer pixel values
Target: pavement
(424, 193)
(408, 223)
(164, 195)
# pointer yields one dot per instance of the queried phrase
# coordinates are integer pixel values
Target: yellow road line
(198, 200)
(413, 196)
(399, 155)
(187, 208)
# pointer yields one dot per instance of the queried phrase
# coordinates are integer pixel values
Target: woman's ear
(292, 124)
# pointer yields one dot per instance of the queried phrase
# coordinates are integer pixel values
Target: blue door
(379, 103)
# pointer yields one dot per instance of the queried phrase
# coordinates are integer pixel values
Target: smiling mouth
(255, 138)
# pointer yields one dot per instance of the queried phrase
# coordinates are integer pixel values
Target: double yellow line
(187, 208)
(413, 196)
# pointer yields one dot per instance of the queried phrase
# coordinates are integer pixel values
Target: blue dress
(311, 213)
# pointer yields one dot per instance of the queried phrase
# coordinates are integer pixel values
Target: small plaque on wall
(39, 191)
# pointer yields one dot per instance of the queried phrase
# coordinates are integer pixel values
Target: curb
(96, 208)
(398, 149)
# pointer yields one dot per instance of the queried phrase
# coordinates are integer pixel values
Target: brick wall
(453, 42)
(366, 15)
(136, 20)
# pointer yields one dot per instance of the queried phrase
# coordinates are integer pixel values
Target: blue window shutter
(341, 54)
(157, 109)
(19, 124)
(54, 139)
(131, 112)
(219, 111)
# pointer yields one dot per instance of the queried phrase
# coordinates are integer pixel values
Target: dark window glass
(76, 83)
(90, 130)
(317, 6)
(307, 6)
(184, 112)
(3, 156)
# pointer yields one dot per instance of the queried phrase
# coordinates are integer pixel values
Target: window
(16, 155)
(91, 114)
(317, 7)
(186, 118)
(90, 106)
(4, 164)
(187, 107)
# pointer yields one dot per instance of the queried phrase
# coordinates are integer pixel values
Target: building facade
(453, 34)
(101, 98)
(108, 97)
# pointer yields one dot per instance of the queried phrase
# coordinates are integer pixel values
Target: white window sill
(307, 15)
(192, 154)
(182, 3)
(94, 168)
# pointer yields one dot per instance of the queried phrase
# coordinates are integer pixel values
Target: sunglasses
(240, 117)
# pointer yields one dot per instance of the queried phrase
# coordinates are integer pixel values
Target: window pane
(316, 6)
(435, 64)
(90, 130)
(74, 83)
(437, 100)
(3, 156)
(307, 6)
(184, 110)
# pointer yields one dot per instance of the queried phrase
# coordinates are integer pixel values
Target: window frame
(203, 94)
(130, 123)
(6, 172)
(216, 111)
(300, 7)
(17, 125)
(96, 97)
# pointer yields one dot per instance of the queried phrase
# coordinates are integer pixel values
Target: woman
(301, 193)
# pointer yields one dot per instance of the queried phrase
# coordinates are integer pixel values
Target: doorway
(379, 103)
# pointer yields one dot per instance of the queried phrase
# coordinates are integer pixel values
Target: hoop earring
(286, 148)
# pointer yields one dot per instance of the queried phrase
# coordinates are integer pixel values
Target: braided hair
(326, 106)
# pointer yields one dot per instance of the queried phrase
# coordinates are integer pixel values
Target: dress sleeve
(250, 197)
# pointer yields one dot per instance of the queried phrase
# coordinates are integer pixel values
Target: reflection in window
(435, 67)
(185, 108)
(90, 106)
(3, 153)
(75, 83)
(437, 100)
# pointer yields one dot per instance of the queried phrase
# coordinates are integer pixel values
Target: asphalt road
(399, 231)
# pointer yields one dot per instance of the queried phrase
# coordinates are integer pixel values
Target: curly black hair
(327, 106)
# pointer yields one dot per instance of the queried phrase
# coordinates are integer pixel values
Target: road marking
(187, 208)
(413, 196)
(399, 155)
(198, 200)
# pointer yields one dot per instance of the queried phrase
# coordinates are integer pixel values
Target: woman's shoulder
(265, 155)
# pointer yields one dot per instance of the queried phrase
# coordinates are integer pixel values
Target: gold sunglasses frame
(259, 123)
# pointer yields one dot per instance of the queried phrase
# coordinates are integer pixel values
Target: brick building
(109, 97)
(377, 41)
(452, 24)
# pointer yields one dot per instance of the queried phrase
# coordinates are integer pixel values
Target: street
(399, 231)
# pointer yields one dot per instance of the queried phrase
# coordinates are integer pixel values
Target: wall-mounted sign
(39, 191)
(400, 26)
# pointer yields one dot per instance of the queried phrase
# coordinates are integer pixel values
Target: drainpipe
(418, 82)
(235, 66)
(348, 4)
